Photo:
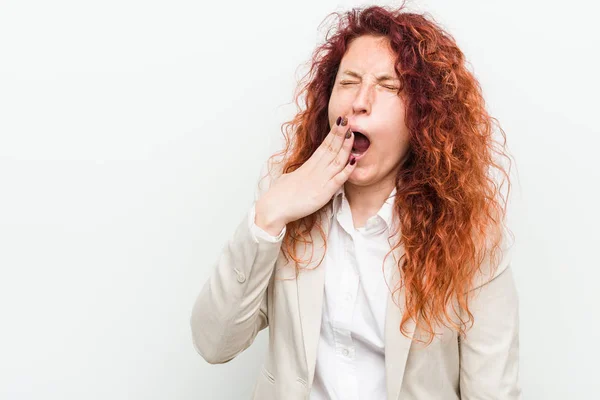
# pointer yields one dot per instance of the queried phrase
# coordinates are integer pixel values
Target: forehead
(369, 54)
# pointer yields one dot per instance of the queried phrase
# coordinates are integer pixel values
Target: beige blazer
(252, 287)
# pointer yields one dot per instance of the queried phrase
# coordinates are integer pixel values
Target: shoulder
(495, 263)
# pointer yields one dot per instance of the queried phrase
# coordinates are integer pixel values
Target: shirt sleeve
(258, 233)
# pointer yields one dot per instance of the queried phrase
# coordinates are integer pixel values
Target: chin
(358, 176)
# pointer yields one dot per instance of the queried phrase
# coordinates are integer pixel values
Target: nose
(363, 100)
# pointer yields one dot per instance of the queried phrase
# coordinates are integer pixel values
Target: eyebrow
(379, 78)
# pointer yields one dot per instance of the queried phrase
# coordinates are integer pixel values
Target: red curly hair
(447, 201)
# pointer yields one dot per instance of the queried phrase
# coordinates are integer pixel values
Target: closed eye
(346, 83)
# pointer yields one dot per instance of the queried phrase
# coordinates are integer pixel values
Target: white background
(131, 138)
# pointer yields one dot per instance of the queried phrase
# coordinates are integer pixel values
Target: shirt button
(348, 296)
(345, 352)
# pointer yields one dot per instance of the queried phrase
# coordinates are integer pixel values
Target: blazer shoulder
(494, 265)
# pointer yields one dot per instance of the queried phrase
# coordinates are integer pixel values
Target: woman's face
(365, 91)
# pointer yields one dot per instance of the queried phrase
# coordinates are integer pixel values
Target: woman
(377, 252)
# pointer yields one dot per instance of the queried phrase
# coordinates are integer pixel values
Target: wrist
(267, 219)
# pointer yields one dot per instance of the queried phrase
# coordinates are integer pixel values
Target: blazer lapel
(311, 285)
(397, 345)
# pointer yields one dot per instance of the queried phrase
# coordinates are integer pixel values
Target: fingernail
(348, 134)
(337, 122)
(352, 161)
(345, 121)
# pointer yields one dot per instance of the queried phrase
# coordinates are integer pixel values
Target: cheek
(393, 148)
(340, 101)
(401, 145)
(396, 112)
(332, 112)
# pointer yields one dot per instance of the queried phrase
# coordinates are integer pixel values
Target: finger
(337, 139)
(340, 178)
(332, 143)
(342, 157)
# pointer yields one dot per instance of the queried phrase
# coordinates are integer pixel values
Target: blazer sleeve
(489, 351)
(231, 308)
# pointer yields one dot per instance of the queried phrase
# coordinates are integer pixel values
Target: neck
(365, 201)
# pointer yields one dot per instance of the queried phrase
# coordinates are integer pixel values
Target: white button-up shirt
(351, 344)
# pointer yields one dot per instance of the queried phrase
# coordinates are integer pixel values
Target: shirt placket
(345, 349)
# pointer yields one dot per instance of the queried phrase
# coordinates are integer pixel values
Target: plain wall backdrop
(132, 134)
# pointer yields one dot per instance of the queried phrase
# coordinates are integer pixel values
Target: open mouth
(361, 144)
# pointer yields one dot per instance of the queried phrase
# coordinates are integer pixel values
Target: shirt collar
(386, 212)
